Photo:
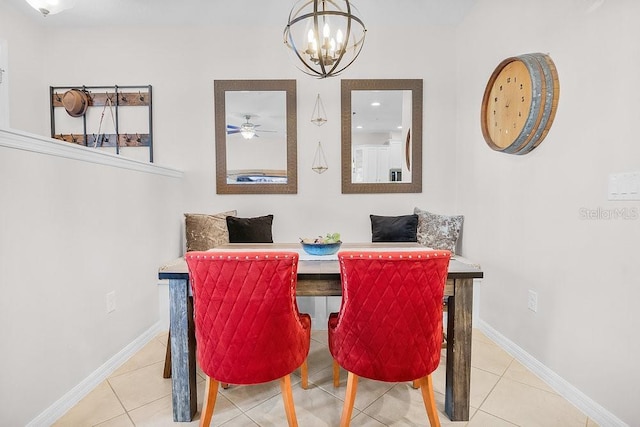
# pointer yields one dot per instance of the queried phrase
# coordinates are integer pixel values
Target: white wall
(70, 232)
(4, 84)
(182, 63)
(73, 231)
(110, 229)
(522, 213)
(25, 71)
(523, 219)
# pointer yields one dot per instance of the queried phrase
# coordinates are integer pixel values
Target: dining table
(319, 276)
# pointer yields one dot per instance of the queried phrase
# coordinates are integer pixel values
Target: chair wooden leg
(336, 374)
(210, 394)
(415, 384)
(304, 374)
(426, 386)
(287, 397)
(167, 359)
(349, 400)
(225, 385)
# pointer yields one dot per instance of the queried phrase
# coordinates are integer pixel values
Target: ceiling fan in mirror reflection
(247, 129)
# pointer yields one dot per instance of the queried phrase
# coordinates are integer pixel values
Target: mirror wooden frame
(220, 89)
(415, 186)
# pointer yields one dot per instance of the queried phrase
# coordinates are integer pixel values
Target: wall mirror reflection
(381, 136)
(255, 128)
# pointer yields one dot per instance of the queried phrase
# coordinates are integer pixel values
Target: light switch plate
(624, 186)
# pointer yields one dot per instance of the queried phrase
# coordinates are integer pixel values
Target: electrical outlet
(532, 301)
(111, 302)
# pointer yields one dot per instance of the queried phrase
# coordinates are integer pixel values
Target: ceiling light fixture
(324, 35)
(247, 129)
(51, 7)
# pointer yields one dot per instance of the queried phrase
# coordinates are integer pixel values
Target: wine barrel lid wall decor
(519, 103)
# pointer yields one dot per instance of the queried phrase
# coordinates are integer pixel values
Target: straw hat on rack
(75, 101)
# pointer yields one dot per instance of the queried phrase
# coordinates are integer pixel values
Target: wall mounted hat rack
(111, 119)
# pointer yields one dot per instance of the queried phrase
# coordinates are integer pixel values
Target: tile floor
(503, 393)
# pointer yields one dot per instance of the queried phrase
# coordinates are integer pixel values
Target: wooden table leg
(183, 357)
(459, 329)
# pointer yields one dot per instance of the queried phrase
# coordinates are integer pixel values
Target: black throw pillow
(402, 228)
(250, 230)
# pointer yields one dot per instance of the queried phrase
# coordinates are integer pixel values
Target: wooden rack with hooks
(98, 99)
(107, 107)
(106, 139)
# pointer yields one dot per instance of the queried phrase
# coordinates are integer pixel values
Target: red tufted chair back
(248, 327)
(389, 327)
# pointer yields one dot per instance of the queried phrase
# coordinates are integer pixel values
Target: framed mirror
(256, 136)
(381, 136)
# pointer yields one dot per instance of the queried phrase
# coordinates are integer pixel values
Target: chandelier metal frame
(329, 59)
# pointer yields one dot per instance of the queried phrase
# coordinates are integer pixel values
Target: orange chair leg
(426, 386)
(287, 397)
(416, 384)
(304, 374)
(349, 400)
(225, 385)
(210, 394)
(336, 374)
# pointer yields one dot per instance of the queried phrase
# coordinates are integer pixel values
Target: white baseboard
(73, 396)
(584, 403)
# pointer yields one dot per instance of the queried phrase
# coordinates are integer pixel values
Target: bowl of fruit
(328, 245)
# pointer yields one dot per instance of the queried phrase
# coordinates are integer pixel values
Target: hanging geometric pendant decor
(319, 160)
(319, 116)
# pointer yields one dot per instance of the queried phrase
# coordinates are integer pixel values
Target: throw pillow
(250, 230)
(204, 231)
(438, 231)
(394, 228)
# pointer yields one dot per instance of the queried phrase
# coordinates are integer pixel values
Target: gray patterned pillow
(204, 231)
(438, 231)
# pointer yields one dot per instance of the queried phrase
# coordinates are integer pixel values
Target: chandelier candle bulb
(311, 48)
(339, 39)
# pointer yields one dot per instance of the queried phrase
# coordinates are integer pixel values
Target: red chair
(248, 327)
(389, 327)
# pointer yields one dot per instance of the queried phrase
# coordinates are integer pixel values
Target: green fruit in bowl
(332, 238)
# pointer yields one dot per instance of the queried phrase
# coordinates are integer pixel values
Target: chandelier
(51, 7)
(324, 35)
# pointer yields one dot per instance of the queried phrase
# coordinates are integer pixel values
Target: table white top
(319, 263)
